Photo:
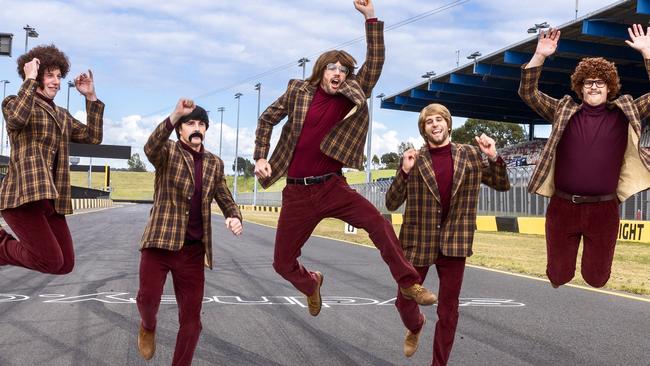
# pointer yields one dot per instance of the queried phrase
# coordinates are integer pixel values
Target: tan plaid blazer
(634, 176)
(422, 234)
(173, 190)
(40, 139)
(345, 142)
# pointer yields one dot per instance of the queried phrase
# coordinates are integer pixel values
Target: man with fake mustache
(440, 184)
(326, 130)
(178, 237)
(591, 161)
(35, 195)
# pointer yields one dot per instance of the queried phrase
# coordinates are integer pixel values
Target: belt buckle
(574, 198)
(304, 180)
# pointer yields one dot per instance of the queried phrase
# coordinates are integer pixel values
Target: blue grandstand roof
(487, 88)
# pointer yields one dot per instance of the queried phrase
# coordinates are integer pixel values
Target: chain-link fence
(515, 202)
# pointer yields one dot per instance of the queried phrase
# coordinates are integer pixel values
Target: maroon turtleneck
(589, 156)
(194, 232)
(324, 112)
(47, 100)
(443, 168)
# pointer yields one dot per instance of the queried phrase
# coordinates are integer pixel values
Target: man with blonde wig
(591, 162)
(440, 184)
(325, 131)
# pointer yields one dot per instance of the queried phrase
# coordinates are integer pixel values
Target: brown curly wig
(596, 67)
(50, 58)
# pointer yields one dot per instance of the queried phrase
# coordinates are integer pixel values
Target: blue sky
(145, 54)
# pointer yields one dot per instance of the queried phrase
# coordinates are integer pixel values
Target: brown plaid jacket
(40, 139)
(422, 234)
(345, 142)
(173, 189)
(634, 176)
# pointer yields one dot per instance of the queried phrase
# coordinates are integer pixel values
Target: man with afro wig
(592, 160)
(35, 194)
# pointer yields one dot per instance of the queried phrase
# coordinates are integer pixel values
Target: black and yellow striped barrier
(628, 230)
(259, 208)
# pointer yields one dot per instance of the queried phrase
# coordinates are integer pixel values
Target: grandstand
(524, 153)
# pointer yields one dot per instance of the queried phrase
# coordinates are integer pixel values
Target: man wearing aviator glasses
(325, 131)
(591, 162)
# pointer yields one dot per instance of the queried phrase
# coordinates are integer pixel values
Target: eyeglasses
(343, 69)
(590, 83)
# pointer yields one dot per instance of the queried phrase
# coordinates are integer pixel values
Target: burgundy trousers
(304, 206)
(43, 239)
(186, 267)
(568, 222)
(450, 273)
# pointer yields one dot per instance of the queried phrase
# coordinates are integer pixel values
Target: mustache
(196, 134)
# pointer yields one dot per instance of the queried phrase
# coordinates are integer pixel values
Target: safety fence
(515, 202)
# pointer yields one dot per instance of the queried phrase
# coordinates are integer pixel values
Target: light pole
(302, 63)
(29, 32)
(2, 134)
(238, 97)
(537, 27)
(258, 87)
(221, 109)
(429, 75)
(70, 85)
(457, 57)
(369, 149)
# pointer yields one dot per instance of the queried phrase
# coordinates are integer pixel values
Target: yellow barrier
(531, 225)
(486, 223)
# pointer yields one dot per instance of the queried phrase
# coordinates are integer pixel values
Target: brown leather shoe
(420, 294)
(314, 302)
(412, 339)
(146, 343)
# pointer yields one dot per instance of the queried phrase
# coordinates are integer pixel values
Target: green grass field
(139, 185)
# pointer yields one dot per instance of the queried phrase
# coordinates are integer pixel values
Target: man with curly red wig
(591, 162)
(35, 194)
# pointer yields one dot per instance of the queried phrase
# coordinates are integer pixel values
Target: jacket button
(437, 226)
(187, 212)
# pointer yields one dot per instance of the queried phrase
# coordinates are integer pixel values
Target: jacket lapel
(187, 157)
(459, 157)
(55, 116)
(303, 99)
(425, 164)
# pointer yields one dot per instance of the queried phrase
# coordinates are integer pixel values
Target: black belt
(312, 180)
(192, 241)
(584, 199)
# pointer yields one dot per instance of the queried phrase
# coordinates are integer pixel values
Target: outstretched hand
(547, 42)
(85, 84)
(639, 40)
(365, 7)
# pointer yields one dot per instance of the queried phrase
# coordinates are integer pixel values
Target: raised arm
(17, 110)
(529, 92)
(640, 41)
(397, 193)
(369, 72)
(156, 148)
(495, 174)
(92, 132)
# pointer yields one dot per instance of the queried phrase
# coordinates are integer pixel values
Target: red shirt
(324, 112)
(443, 168)
(589, 156)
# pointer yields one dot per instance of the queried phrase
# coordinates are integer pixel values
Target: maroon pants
(567, 222)
(450, 273)
(303, 207)
(44, 243)
(186, 267)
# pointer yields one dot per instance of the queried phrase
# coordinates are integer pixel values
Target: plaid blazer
(173, 189)
(345, 142)
(634, 176)
(422, 234)
(40, 143)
